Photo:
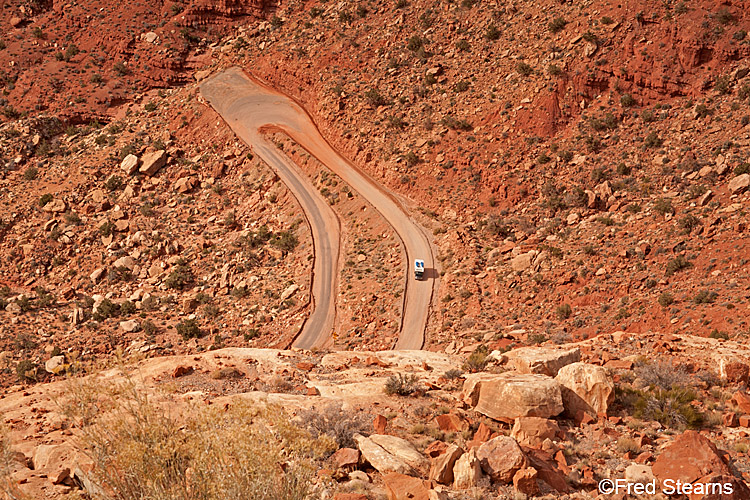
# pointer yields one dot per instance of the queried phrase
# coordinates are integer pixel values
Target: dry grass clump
(335, 422)
(232, 452)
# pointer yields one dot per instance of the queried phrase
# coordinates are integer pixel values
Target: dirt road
(250, 107)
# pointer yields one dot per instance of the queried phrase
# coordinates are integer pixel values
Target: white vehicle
(419, 269)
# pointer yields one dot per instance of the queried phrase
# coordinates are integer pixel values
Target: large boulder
(739, 183)
(510, 395)
(441, 470)
(532, 431)
(152, 162)
(501, 458)
(467, 471)
(688, 458)
(130, 164)
(586, 387)
(542, 360)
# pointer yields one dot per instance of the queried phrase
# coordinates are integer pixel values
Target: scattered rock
(524, 481)
(441, 470)
(130, 164)
(152, 162)
(532, 431)
(501, 458)
(55, 364)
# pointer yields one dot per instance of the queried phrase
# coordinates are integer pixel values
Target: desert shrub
(705, 297)
(106, 309)
(30, 173)
(45, 198)
(563, 311)
(652, 140)
(120, 68)
(666, 299)
(106, 228)
(627, 100)
(688, 223)
(672, 408)
(230, 452)
(492, 32)
(189, 329)
(702, 111)
(677, 264)
(723, 84)
(453, 374)
(285, 241)
(180, 276)
(336, 423)
(557, 24)
(663, 374)
(149, 328)
(716, 334)
(524, 69)
(477, 360)
(663, 206)
(26, 370)
(554, 70)
(375, 98)
(401, 385)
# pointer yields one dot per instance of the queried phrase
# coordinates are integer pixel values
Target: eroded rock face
(542, 360)
(586, 387)
(501, 458)
(690, 457)
(508, 396)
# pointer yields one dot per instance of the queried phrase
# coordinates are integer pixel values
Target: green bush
(180, 276)
(663, 206)
(285, 241)
(189, 329)
(666, 299)
(492, 33)
(557, 24)
(705, 297)
(563, 311)
(627, 100)
(45, 198)
(677, 264)
(524, 69)
(671, 408)
(477, 360)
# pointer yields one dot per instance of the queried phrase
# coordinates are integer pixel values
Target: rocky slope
(548, 421)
